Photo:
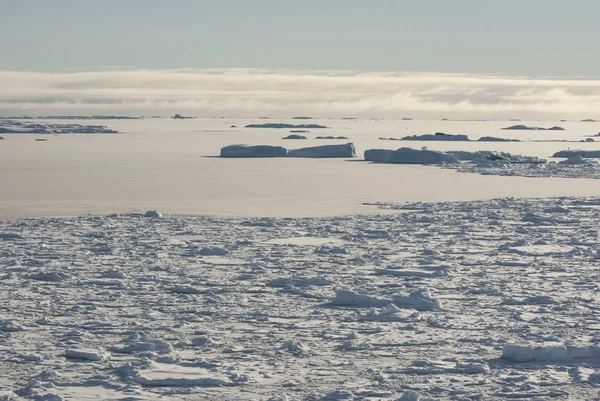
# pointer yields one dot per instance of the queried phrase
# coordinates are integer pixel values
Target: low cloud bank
(285, 93)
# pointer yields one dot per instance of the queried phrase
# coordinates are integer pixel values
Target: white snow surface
(123, 307)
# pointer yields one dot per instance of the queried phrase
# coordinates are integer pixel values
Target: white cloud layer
(286, 93)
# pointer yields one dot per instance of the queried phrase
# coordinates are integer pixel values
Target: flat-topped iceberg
(496, 139)
(521, 127)
(17, 127)
(377, 155)
(325, 151)
(282, 125)
(410, 156)
(438, 136)
(253, 151)
(424, 156)
(294, 136)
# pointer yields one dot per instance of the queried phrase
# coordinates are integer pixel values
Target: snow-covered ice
(489, 300)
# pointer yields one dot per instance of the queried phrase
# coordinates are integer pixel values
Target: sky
(54, 41)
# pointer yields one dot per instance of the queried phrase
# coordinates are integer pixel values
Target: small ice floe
(351, 298)
(474, 367)
(185, 289)
(331, 250)
(295, 347)
(152, 214)
(391, 313)
(10, 236)
(86, 354)
(353, 344)
(202, 341)
(145, 345)
(534, 300)
(338, 395)
(419, 299)
(10, 326)
(49, 276)
(551, 352)
(412, 395)
(113, 274)
(425, 270)
(155, 374)
(213, 251)
(540, 249)
(299, 282)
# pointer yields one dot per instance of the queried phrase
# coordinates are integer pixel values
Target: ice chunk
(152, 214)
(412, 395)
(552, 352)
(325, 151)
(86, 354)
(253, 151)
(419, 299)
(351, 298)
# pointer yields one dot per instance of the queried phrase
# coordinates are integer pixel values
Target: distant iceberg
(590, 154)
(410, 156)
(253, 151)
(325, 151)
(438, 136)
(520, 127)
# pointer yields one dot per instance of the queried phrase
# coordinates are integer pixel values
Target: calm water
(169, 166)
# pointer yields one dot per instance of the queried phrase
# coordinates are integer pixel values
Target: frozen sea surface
(170, 165)
(487, 300)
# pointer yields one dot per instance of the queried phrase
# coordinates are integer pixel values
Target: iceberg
(414, 156)
(345, 150)
(253, 151)
(438, 136)
(377, 155)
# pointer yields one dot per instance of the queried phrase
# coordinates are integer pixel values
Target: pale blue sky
(525, 37)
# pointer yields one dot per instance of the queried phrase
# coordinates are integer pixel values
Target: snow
(459, 300)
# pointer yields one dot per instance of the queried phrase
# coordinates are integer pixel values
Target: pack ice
(488, 300)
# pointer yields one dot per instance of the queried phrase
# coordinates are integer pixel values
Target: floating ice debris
(419, 299)
(152, 214)
(552, 352)
(213, 251)
(49, 276)
(295, 347)
(412, 395)
(86, 354)
(351, 298)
